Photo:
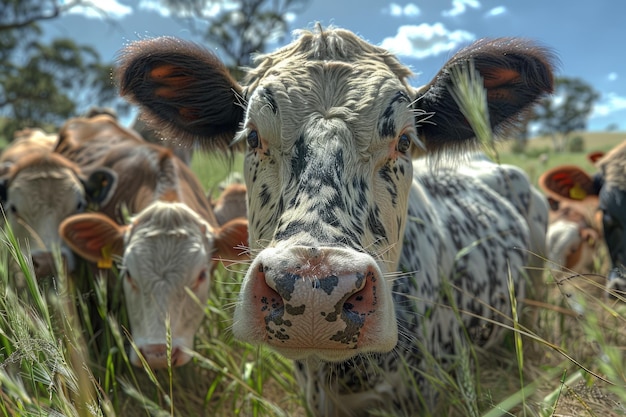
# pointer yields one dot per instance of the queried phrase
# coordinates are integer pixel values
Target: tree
(238, 28)
(42, 84)
(566, 111)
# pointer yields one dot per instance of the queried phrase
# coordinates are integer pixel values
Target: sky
(587, 37)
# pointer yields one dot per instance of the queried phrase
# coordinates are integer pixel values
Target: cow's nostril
(176, 354)
(364, 300)
(270, 299)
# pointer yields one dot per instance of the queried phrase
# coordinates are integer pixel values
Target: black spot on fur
(300, 157)
(386, 125)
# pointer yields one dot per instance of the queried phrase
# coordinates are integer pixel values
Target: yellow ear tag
(577, 192)
(106, 262)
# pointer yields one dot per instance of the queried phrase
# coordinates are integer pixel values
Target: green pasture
(64, 345)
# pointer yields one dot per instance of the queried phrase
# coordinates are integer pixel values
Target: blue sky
(586, 36)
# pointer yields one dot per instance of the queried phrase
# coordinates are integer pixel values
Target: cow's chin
(329, 355)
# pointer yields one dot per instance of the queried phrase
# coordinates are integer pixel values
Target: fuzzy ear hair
(94, 237)
(230, 241)
(184, 91)
(516, 74)
(567, 182)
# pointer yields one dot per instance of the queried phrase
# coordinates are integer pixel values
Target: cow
(170, 244)
(355, 241)
(575, 226)
(572, 241)
(574, 234)
(231, 203)
(38, 189)
(604, 193)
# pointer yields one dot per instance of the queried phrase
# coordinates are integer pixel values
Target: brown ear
(185, 92)
(93, 236)
(567, 182)
(516, 74)
(593, 157)
(231, 241)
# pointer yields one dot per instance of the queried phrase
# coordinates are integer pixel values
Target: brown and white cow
(605, 195)
(574, 234)
(355, 242)
(170, 245)
(231, 203)
(40, 188)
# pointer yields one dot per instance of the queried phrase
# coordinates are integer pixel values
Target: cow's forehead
(321, 49)
(287, 103)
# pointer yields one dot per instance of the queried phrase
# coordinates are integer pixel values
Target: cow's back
(460, 230)
(146, 172)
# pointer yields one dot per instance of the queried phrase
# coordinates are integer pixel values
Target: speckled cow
(354, 238)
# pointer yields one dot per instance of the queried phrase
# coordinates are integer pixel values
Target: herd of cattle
(364, 235)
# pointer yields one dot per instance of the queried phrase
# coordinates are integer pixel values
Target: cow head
(572, 237)
(605, 194)
(40, 190)
(330, 124)
(168, 252)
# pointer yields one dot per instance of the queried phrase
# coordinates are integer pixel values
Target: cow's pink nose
(156, 356)
(327, 311)
(43, 263)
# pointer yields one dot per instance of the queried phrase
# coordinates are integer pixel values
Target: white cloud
(460, 6)
(154, 6)
(212, 8)
(103, 9)
(425, 40)
(410, 10)
(496, 11)
(611, 104)
(613, 76)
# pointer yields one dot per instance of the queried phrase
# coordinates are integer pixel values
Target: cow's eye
(404, 143)
(13, 209)
(80, 207)
(130, 281)
(202, 277)
(253, 139)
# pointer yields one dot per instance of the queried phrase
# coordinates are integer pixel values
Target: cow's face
(605, 195)
(329, 123)
(328, 172)
(168, 254)
(167, 264)
(39, 195)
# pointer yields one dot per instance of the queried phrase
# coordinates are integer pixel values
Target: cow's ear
(184, 90)
(94, 237)
(567, 182)
(594, 157)
(100, 185)
(231, 241)
(515, 73)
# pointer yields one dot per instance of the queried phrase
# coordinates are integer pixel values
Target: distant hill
(534, 166)
(594, 141)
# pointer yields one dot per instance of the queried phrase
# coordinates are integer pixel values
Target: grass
(63, 351)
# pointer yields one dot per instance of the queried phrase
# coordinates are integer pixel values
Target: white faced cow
(171, 244)
(354, 240)
(40, 188)
(603, 194)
